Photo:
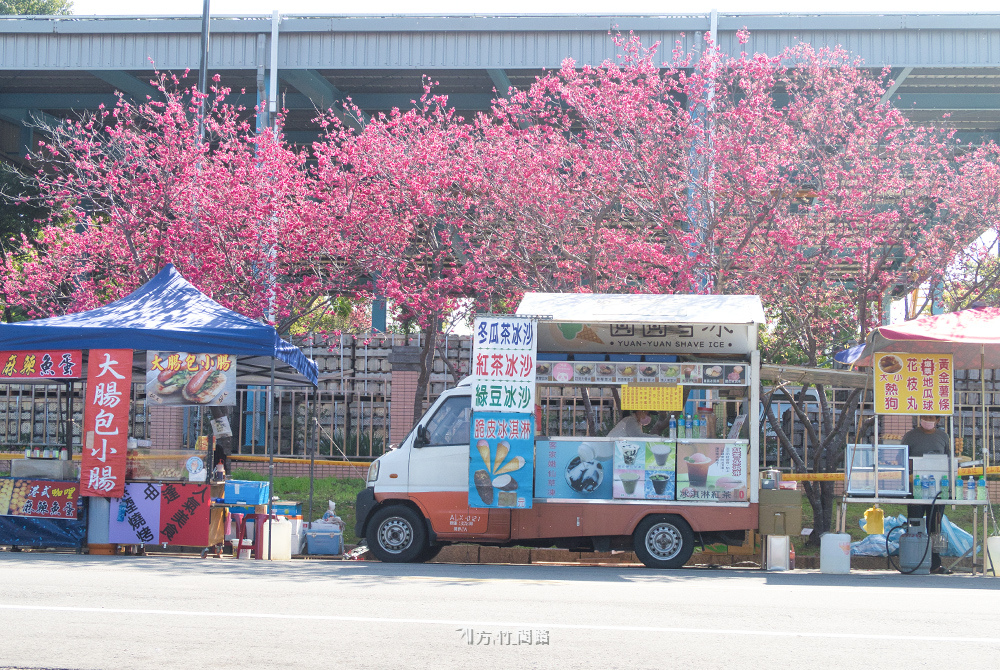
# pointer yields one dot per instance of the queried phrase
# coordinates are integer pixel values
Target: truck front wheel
(396, 534)
(663, 541)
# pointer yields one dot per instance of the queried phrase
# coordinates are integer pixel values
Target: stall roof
(644, 308)
(803, 375)
(167, 314)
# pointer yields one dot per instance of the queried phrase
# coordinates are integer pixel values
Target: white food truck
(595, 480)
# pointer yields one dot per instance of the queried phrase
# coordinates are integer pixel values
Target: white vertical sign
(503, 356)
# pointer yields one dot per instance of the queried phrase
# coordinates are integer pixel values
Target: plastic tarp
(23, 531)
(969, 335)
(166, 314)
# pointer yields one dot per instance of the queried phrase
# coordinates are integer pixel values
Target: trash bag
(874, 545)
(959, 541)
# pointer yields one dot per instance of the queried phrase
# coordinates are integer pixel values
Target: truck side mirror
(423, 437)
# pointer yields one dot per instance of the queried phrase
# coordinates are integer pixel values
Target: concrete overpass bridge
(51, 67)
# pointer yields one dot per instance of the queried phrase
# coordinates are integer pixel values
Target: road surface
(68, 611)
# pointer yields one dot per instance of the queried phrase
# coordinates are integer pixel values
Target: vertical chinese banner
(914, 383)
(501, 448)
(105, 423)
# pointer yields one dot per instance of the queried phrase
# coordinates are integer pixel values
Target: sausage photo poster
(181, 378)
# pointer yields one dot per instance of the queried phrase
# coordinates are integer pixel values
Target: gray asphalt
(68, 611)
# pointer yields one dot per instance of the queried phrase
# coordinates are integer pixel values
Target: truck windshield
(451, 423)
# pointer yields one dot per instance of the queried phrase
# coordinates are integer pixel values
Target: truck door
(439, 470)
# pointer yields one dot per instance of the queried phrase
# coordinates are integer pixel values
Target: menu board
(501, 459)
(39, 499)
(176, 514)
(42, 364)
(645, 469)
(574, 469)
(712, 470)
(611, 372)
(913, 383)
(652, 397)
(503, 364)
(105, 422)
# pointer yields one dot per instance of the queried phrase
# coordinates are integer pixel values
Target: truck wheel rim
(395, 535)
(664, 541)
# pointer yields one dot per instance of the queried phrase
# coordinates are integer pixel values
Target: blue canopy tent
(169, 314)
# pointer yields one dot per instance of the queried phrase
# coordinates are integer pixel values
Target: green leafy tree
(36, 7)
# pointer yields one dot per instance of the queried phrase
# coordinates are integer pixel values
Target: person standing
(926, 438)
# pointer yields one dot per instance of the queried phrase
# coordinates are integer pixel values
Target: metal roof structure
(942, 63)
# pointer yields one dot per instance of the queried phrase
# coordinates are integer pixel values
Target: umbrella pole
(982, 399)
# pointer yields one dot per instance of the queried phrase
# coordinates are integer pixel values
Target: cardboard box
(779, 512)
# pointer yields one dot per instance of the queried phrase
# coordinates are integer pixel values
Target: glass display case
(893, 470)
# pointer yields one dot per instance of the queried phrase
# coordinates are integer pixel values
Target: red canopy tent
(972, 336)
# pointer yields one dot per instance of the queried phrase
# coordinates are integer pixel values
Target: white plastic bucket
(279, 535)
(835, 553)
(991, 566)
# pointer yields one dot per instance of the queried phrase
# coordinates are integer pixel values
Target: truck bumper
(362, 509)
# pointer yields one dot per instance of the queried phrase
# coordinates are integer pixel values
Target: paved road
(67, 611)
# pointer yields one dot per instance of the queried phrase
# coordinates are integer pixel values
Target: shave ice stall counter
(695, 378)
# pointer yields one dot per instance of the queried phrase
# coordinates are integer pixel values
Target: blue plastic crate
(289, 509)
(248, 493)
(323, 543)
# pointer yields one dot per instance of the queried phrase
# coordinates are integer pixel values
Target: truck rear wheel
(396, 534)
(663, 541)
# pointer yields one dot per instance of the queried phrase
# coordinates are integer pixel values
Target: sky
(434, 7)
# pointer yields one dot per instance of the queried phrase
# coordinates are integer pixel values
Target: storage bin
(249, 493)
(323, 542)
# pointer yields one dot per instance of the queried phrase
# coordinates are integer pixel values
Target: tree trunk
(426, 364)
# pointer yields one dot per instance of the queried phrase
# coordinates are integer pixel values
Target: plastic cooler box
(323, 542)
(248, 493)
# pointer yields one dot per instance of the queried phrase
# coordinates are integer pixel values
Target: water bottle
(704, 428)
(697, 427)
(918, 492)
(945, 491)
(970, 488)
(925, 488)
(673, 427)
(981, 489)
(931, 486)
(689, 424)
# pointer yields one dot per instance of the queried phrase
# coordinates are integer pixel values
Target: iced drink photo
(628, 481)
(697, 467)
(659, 483)
(661, 450)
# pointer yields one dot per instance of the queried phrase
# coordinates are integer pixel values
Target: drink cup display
(628, 482)
(629, 452)
(697, 467)
(660, 452)
(659, 484)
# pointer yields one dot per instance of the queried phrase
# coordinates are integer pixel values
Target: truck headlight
(373, 472)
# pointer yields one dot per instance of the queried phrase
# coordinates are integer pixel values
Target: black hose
(927, 548)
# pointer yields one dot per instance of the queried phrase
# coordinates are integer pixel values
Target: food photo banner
(41, 364)
(182, 378)
(105, 422)
(914, 383)
(671, 374)
(501, 460)
(504, 351)
(39, 499)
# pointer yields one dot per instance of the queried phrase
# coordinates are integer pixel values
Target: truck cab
(417, 497)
